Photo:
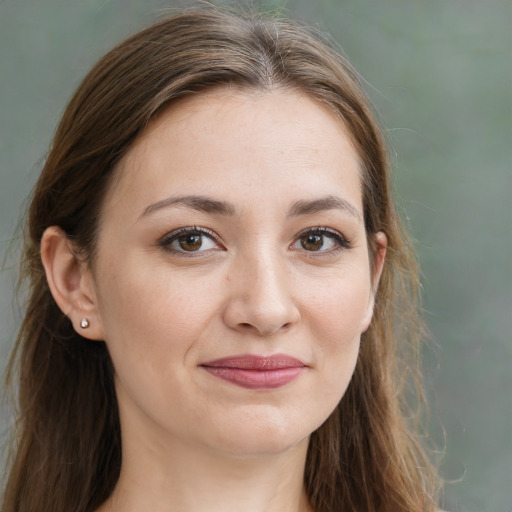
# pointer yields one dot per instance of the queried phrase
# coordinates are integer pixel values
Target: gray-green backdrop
(440, 73)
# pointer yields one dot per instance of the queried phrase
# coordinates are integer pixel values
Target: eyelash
(167, 240)
(341, 241)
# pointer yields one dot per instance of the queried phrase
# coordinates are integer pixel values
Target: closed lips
(256, 372)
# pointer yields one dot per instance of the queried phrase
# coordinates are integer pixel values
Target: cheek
(339, 307)
(153, 322)
(337, 319)
(151, 317)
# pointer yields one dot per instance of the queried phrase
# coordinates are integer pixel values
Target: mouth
(256, 372)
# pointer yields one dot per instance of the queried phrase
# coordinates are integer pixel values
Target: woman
(216, 270)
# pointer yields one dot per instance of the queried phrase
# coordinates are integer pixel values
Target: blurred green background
(440, 74)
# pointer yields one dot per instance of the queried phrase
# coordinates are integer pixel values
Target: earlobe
(70, 283)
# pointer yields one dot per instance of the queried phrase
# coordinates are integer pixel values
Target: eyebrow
(200, 203)
(324, 204)
(209, 205)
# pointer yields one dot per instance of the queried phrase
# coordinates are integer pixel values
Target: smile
(256, 372)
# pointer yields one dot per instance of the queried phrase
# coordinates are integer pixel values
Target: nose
(260, 299)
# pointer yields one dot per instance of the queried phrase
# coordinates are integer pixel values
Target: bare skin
(234, 226)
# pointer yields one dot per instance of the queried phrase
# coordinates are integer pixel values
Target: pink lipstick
(256, 372)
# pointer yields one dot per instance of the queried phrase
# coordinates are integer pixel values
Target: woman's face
(232, 277)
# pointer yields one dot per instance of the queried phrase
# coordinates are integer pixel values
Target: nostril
(247, 326)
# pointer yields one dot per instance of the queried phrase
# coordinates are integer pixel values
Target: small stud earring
(84, 323)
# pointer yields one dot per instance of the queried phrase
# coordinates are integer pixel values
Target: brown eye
(321, 240)
(312, 242)
(190, 242)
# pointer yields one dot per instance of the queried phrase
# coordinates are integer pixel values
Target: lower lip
(256, 379)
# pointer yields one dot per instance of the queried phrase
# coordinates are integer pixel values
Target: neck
(183, 478)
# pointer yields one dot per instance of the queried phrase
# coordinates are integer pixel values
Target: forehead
(239, 143)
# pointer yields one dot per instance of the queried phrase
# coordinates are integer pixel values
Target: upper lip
(256, 362)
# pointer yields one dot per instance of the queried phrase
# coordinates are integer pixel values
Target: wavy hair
(66, 453)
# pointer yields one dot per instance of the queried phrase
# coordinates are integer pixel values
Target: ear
(381, 244)
(71, 283)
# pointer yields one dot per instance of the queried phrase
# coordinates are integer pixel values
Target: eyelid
(165, 241)
(342, 241)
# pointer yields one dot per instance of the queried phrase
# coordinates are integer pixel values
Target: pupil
(190, 242)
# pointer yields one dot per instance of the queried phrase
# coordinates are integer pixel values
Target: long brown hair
(67, 453)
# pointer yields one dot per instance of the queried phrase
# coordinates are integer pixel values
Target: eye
(322, 240)
(191, 240)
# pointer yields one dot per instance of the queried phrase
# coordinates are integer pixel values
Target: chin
(261, 438)
(262, 447)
